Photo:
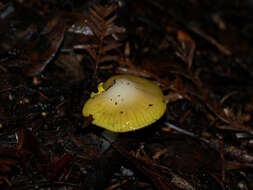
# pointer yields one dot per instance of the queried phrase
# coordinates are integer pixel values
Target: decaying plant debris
(54, 53)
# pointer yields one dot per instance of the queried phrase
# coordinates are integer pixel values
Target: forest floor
(53, 54)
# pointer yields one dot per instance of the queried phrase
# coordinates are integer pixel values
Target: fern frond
(101, 22)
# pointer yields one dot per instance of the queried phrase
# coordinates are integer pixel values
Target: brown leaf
(27, 143)
(110, 9)
(98, 24)
(111, 20)
(109, 58)
(147, 167)
(110, 47)
(114, 30)
(94, 28)
(71, 64)
(101, 23)
(95, 15)
(60, 165)
(98, 9)
(44, 50)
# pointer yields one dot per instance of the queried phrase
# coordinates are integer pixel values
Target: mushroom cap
(125, 103)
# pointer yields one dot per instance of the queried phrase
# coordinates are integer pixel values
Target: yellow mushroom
(125, 103)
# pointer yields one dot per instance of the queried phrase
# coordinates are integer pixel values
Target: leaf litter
(54, 54)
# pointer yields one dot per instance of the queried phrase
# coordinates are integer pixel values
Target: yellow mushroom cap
(125, 103)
